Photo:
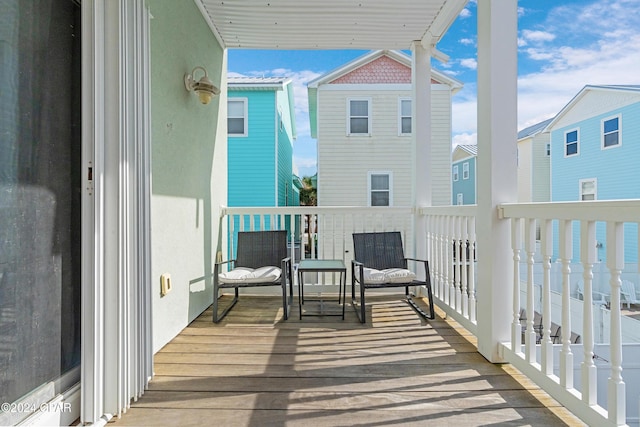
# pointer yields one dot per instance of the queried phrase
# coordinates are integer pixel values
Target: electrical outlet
(165, 284)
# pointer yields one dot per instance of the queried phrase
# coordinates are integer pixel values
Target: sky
(563, 45)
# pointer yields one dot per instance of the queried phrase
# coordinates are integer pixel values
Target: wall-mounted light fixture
(204, 87)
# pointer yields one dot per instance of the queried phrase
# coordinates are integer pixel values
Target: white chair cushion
(249, 275)
(399, 275)
(389, 275)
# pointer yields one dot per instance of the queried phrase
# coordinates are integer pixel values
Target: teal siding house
(595, 152)
(463, 175)
(261, 129)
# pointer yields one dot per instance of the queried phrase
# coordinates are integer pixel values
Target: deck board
(254, 369)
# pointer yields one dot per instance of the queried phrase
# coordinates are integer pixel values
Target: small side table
(322, 266)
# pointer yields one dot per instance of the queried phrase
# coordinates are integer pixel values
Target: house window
(571, 142)
(548, 149)
(455, 173)
(611, 132)
(465, 170)
(359, 122)
(404, 117)
(460, 199)
(380, 184)
(237, 117)
(588, 189)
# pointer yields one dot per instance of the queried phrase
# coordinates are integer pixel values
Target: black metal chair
(379, 262)
(261, 260)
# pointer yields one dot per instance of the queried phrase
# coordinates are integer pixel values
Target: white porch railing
(554, 370)
(450, 243)
(321, 232)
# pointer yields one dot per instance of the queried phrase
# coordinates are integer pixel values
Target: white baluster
(615, 263)
(457, 236)
(516, 327)
(472, 269)
(566, 356)
(588, 258)
(440, 260)
(546, 232)
(532, 333)
(451, 296)
(464, 262)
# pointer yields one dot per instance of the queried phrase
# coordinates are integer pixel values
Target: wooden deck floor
(254, 369)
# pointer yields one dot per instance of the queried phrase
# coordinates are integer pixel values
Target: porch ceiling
(329, 24)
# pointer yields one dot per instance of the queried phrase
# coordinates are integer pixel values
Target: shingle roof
(243, 82)
(533, 130)
(472, 149)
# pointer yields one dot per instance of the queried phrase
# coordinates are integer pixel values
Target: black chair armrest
(225, 262)
(360, 277)
(424, 261)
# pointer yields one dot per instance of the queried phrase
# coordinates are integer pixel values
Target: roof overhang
(329, 24)
(582, 93)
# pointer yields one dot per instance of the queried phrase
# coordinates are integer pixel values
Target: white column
(116, 332)
(421, 138)
(497, 173)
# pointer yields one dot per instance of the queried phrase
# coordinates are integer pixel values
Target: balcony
(398, 369)
(254, 369)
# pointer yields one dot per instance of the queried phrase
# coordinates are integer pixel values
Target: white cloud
(599, 45)
(465, 139)
(470, 63)
(467, 41)
(465, 13)
(537, 36)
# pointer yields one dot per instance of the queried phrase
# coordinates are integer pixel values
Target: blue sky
(563, 45)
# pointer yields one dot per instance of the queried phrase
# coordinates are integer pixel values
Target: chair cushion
(249, 275)
(389, 275)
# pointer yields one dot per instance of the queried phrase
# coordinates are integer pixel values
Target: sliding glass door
(40, 202)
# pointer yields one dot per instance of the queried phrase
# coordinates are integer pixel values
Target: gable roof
(634, 89)
(464, 151)
(534, 129)
(243, 83)
(353, 66)
(398, 56)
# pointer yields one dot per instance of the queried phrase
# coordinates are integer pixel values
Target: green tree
(308, 197)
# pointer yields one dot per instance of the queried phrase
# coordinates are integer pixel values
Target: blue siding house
(261, 130)
(463, 175)
(595, 154)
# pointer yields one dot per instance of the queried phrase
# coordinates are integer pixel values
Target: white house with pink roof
(360, 114)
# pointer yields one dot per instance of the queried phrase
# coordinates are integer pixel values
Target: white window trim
(400, 133)
(595, 188)
(459, 199)
(455, 173)
(369, 117)
(390, 174)
(465, 170)
(564, 142)
(245, 102)
(619, 144)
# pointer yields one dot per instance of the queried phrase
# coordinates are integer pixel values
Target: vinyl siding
(285, 151)
(540, 169)
(251, 159)
(616, 169)
(344, 161)
(465, 186)
(441, 146)
(524, 170)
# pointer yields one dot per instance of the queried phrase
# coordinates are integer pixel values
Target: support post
(421, 140)
(497, 167)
